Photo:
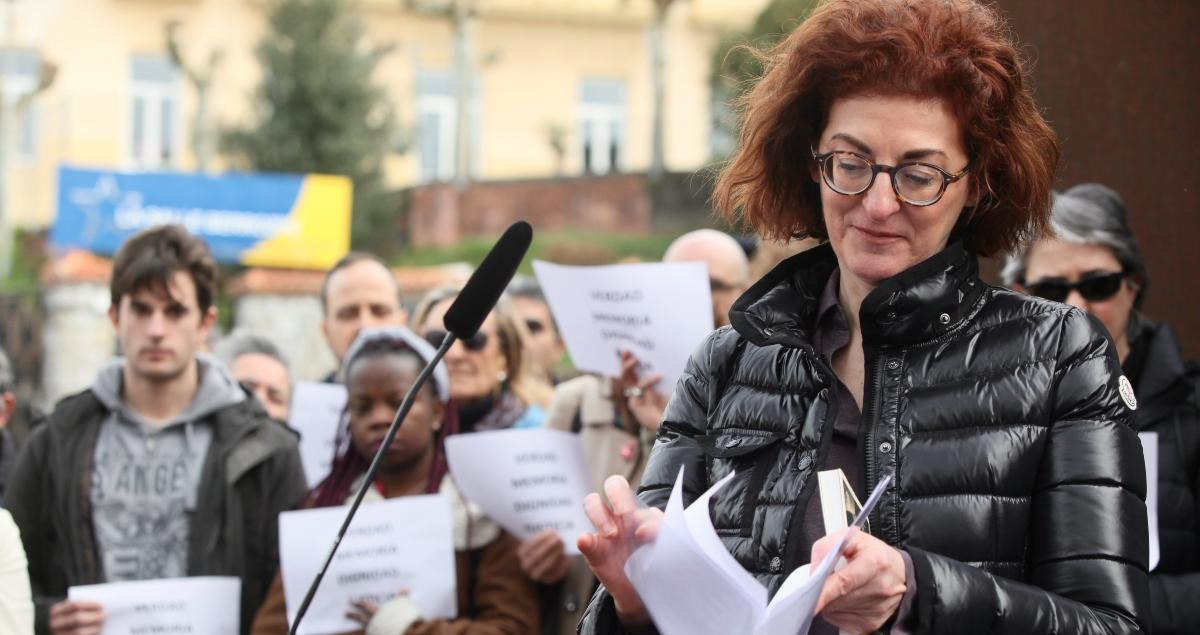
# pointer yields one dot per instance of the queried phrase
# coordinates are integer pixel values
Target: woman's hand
(863, 595)
(639, 394)
(543, 558)
(620, 529)
(362, 611)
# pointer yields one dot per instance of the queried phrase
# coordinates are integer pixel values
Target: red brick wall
(441, 215)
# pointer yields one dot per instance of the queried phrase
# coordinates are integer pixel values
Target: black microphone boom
(463, 319)
(483, 289)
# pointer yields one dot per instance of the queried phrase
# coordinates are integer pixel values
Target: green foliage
(317, 107)
(28, 256)
(737, 61)
(576, 247)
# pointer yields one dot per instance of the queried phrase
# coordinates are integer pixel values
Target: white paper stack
(721, 597)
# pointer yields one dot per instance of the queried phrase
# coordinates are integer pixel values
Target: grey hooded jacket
(248, 473)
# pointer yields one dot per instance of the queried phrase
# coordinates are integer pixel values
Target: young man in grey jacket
(165, 467)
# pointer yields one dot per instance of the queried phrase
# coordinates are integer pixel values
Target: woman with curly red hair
(902, 134)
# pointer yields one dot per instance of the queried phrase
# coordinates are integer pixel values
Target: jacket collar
(921, 303)
(1163, 367)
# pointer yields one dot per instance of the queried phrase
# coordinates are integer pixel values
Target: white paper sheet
(199, 606)
(1150, 451)
(525, 480)
(659, 311)
(720, 596)
(316, 410)
(402, 543)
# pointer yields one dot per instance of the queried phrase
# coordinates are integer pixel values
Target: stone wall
(280, 305)
(77, 338)
(291, 322)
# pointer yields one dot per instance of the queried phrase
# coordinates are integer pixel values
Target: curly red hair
(958, 51)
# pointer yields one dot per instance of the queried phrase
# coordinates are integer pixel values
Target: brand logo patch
(1126, 390)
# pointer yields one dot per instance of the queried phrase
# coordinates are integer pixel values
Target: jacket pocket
(754, 453)
(728, 445)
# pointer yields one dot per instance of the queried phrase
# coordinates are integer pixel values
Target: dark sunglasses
(475, 343)
(717, 286)
(1093, 288)
(535, 326)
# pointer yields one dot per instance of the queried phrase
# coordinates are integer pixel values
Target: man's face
(362, 294)
(268, 379)
(545, 344)
(161, 332)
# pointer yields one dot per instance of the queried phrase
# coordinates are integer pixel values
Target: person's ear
(9, 403)
(112, 315)
(325, 330)
(209, 319)
(439, 412)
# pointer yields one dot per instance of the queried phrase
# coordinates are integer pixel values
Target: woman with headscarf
(494, 597)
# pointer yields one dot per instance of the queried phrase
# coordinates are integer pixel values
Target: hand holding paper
(526, 480)
(201, 605)
(861, 596)
(620, 530)
(721, 596)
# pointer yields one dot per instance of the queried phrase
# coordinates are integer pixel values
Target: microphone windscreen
(489, 280)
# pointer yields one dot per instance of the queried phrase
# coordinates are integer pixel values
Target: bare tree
(201, 79)
(658, 87)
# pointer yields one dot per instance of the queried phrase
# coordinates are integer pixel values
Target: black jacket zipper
(866, 430)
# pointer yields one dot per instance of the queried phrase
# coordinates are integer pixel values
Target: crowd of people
(1006, 416)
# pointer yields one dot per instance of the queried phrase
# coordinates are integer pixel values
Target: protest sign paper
(395, 545)
(525, 480)
(721, 596)
(1150, 451)
(316, 410)
(198, 606)
(658, 311)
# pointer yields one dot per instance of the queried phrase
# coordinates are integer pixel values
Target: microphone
(488, 281)
(463, 319)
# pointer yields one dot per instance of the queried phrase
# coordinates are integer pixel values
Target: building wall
(532, 54)
(1117, 82)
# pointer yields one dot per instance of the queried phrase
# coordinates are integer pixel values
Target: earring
(501, 376)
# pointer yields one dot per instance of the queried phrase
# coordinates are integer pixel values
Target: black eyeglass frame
(823, 163)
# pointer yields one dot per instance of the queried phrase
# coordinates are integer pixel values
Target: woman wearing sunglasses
(1093, 262)
(491, 378)
(903, 134)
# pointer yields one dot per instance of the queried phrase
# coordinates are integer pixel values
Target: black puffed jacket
(1019, 484)
(1169, 405)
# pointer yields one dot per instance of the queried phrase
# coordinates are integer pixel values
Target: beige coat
(583, 405)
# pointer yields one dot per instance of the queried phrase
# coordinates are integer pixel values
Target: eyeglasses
(1093, 287)
(475, 343)
(535, 326)
(717, 286)
(916, 183)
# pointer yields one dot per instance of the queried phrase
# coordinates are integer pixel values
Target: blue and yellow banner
(298, 221)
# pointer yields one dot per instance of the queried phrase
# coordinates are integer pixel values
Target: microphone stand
(401, 413)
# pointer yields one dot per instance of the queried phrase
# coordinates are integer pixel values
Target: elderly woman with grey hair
(261, 367)
(1093, 262)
